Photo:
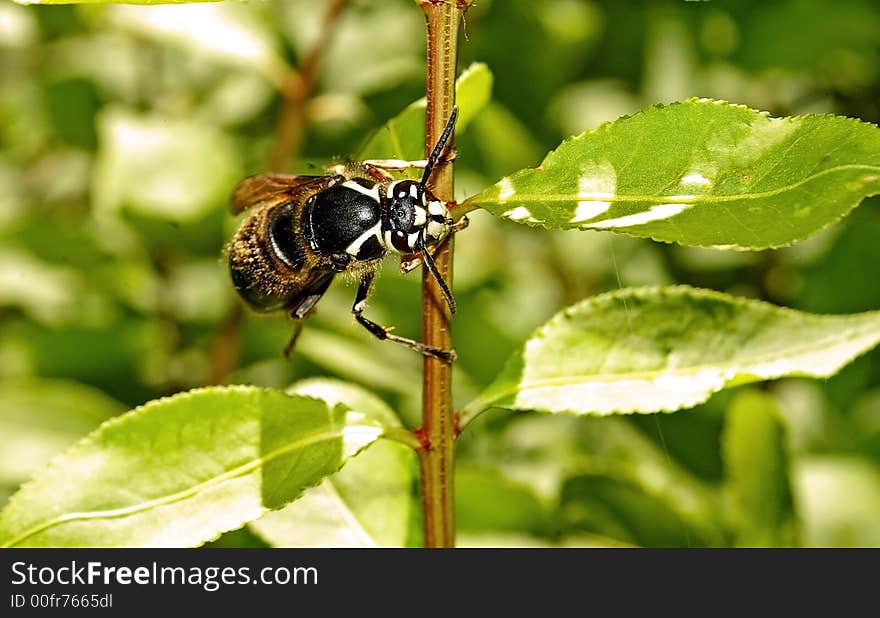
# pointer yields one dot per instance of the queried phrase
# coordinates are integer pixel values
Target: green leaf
(351, 61)
(179, 471)
(357, 398)
(662, 349)
(403, 137)
(40, 418)
(487, 501)
(369, 503)
(756, 464)
(699, 172)
(619, 509)
(107, 1)
(208, 29)
(838, 498)
(168, 169)
(47, 293)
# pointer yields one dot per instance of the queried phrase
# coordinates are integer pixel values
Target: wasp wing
(302, 303)
(267, 188)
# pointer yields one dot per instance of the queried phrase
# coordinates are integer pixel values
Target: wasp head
(412, 217)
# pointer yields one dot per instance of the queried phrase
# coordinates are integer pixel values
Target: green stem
(438, 432)
(403, 436)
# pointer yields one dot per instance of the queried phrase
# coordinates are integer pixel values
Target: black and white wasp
(304, 230)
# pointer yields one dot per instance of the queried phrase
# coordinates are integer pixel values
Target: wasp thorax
(407, 215)
(345, 219)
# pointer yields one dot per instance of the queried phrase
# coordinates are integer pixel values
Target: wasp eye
(399, 241)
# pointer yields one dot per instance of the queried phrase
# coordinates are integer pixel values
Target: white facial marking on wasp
(436, 230)
(372, 192)
(389, 192)
(414, 190)
(597, 181)
(358, 242)
(655, 213)
(437, 208)
(420, 216)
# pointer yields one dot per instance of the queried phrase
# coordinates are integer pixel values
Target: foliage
(114, 178)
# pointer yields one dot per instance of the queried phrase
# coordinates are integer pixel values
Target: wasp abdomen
(266, 257)
(286, 241)
(250, 289)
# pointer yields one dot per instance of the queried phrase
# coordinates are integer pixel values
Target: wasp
(302, 231)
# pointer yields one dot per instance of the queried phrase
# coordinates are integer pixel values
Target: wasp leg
(360, 302)
(297, 329)
(409, 263)
(303, 308)
(339, 262)
(428, 261)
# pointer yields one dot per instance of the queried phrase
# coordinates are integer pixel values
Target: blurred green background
(123, 130)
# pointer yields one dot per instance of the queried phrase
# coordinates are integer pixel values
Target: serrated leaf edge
(474, 201)
(170, 499)
(479, 404)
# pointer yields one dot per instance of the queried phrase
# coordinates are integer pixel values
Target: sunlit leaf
(180, 471)
(226, 31)
(838, 498)
(369, 503)
(352, 61)
(701, 173)
(105, 1)
(166, 168)
(48, 293)
(18, 27)
(403, 137)
(40, 418)
(756, 465)
(662, 349)
(199, 292)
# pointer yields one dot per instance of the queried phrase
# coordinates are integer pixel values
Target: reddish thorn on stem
(424, 440)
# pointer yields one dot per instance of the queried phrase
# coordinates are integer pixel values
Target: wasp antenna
(438, 149)
(432, 267)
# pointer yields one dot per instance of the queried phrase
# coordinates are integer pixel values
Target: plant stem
(224, 351)
(438, 432)
(298, 88)
(402, 436)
